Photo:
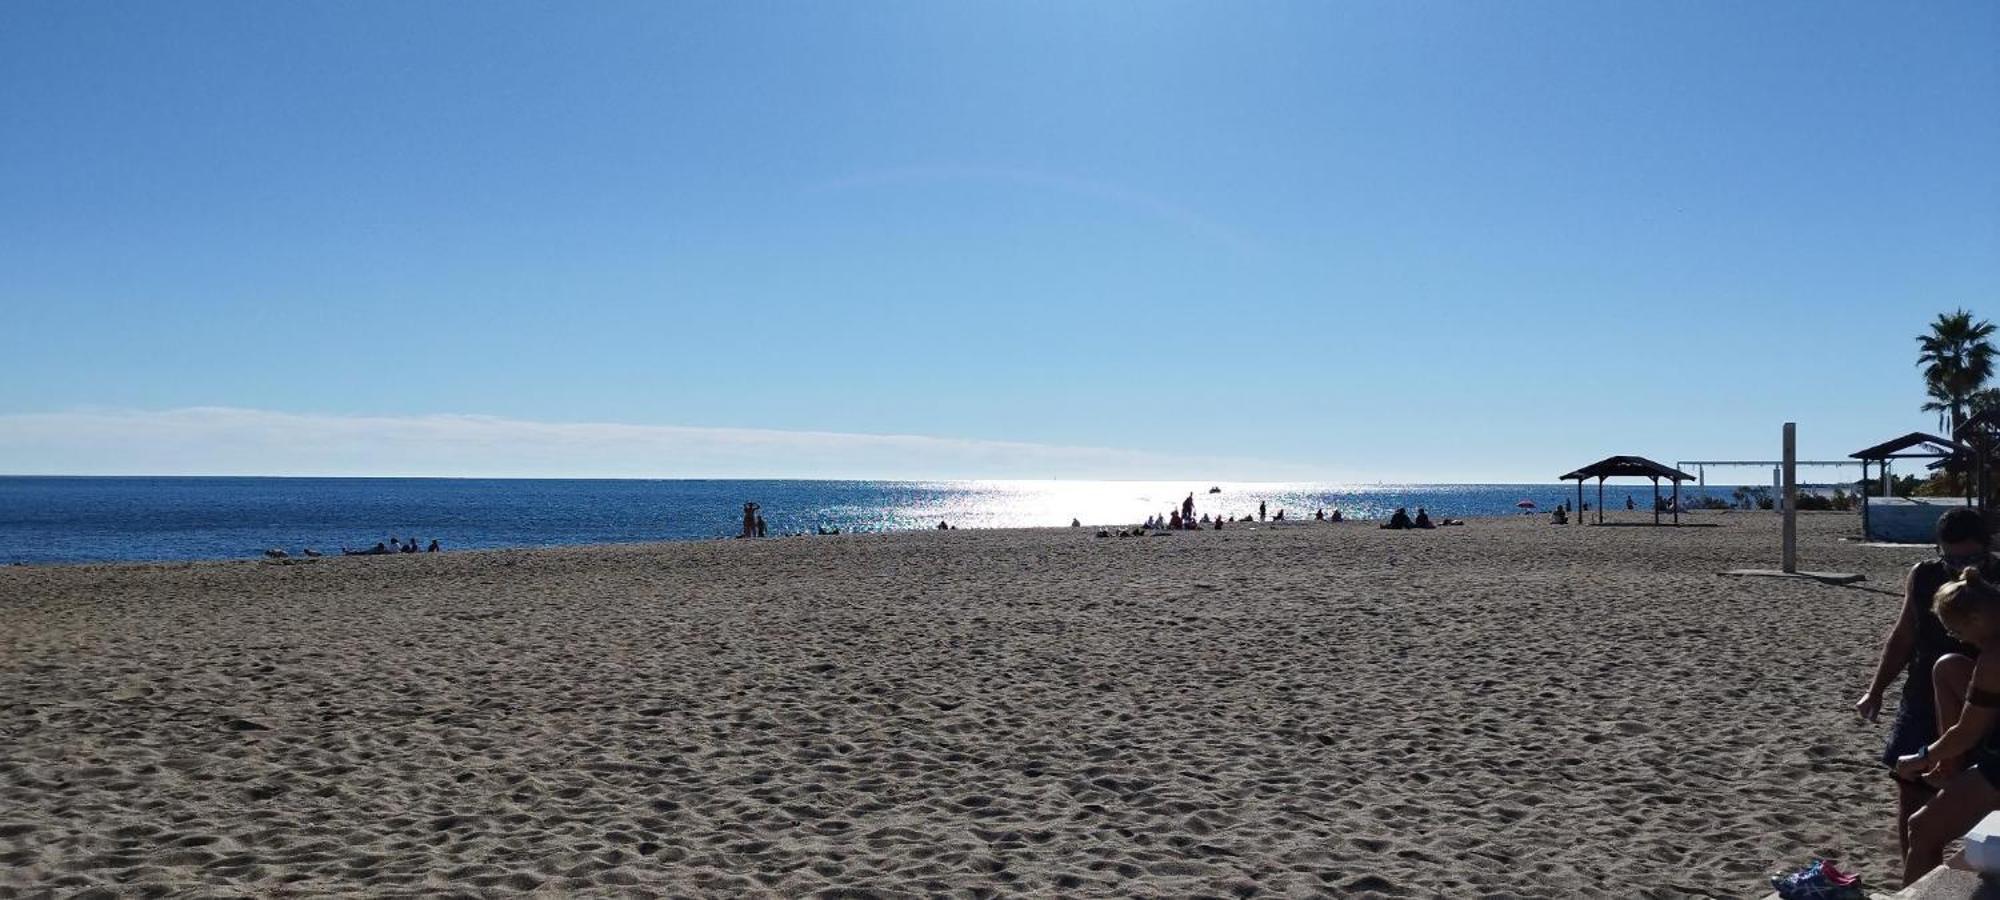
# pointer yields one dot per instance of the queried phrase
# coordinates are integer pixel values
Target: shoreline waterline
(57, 519)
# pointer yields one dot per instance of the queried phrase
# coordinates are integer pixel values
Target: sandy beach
(1502, 709)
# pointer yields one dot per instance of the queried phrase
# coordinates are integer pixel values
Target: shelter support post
(1656, 500)
(1600, 499)
(1983, 475)
(1864, 496)
(1791, 497)
(1677, 501)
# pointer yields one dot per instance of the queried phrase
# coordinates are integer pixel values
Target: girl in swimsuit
(1969, 606)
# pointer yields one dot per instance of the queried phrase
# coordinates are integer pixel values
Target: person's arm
(1982, 707)
(1895, 653)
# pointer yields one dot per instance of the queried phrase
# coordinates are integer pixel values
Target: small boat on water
(1215, 490)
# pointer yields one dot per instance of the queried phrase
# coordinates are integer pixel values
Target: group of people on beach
(1943, 751)
(1400, 520)
(1176, 519)
(1183, 518)
(383, 548)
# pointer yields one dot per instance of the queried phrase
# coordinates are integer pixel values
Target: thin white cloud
(230, 441)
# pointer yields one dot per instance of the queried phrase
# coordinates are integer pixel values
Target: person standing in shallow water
(1916, 648)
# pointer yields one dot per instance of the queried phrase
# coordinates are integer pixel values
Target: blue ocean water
(80, 519)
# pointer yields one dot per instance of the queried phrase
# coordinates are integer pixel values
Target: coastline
(1689, 518)
(87, 519)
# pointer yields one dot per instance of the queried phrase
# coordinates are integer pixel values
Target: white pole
(1791, 497)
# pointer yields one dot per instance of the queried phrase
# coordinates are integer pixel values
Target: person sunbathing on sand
(1915, 648)
(1969, 607)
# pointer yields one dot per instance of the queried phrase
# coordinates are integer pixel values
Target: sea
(103, 519)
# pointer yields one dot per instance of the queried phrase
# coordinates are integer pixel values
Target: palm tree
(1939, 403)
(1957, 360)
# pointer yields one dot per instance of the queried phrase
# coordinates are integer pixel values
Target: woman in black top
(1914, 649)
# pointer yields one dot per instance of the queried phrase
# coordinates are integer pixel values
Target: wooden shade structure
(1915, 445)
(1980, 436)
(1628, 467)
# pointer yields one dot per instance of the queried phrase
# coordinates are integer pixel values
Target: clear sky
(1403, 240)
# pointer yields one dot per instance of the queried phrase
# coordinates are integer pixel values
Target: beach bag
(1819, 880)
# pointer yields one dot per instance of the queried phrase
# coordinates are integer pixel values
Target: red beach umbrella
(1526, 504)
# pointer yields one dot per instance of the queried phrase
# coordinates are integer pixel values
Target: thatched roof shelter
(1629, 467)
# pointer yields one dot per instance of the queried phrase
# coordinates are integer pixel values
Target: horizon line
(820, 479)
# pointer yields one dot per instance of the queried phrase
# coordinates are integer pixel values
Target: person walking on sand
(1187, 508)
(1969, 606)
(1916, 649)
(1260, 510)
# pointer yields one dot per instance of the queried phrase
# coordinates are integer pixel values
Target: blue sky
(1406, 241)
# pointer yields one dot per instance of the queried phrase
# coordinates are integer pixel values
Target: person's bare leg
(1963, 802)
(1910, 797)
(1951, 679)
